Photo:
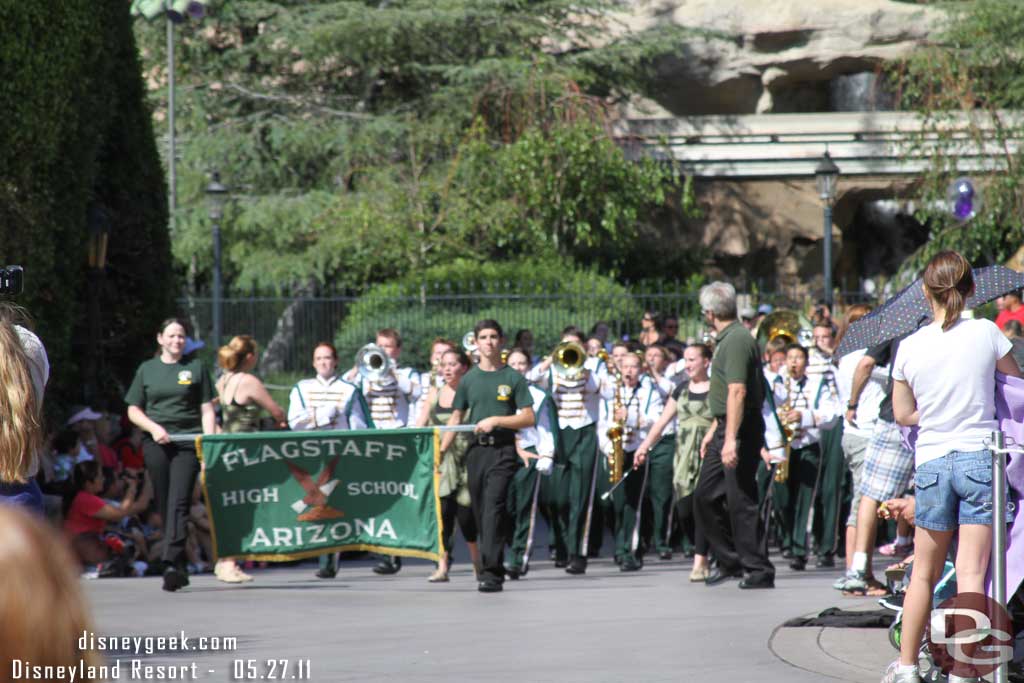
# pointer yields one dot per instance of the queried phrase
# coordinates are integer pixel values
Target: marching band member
(656, 363)
(662, 454)
(687, 411)
(577, 401)
(536, 447)
(327, 402)
(820, 355)
(812, 406)
(637, 407)
(432, 378)
(499, 402)
(390, 400)
(833, 465)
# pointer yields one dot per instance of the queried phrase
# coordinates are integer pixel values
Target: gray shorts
(854, 448)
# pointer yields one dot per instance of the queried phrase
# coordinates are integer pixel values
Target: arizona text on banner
(291, 495)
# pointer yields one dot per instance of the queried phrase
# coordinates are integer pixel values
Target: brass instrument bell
(373, 363)
(567, 360)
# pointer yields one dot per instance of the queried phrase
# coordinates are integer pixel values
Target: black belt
(496, 440)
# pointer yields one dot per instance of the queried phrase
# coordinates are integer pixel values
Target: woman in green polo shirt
(171, 395)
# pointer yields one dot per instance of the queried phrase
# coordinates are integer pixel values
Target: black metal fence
(287, 328)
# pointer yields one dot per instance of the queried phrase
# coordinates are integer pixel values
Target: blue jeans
(23, 495)
(953, 490)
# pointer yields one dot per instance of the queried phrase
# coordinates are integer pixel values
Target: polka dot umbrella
(908, 309)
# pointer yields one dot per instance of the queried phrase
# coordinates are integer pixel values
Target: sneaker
(326, 573)
(893, 602)
(896, 549)
(853, 582)
(893, 675)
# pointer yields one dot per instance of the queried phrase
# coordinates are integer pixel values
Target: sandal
(698, 574)
(874, 589)
(439, 576)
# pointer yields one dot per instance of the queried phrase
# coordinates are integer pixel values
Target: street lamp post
(99, 233)
(826, 174)
(217, 195)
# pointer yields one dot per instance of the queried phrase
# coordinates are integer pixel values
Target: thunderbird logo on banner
(317, 493)
(290, 495)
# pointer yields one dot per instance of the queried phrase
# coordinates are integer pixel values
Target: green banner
(290, 495)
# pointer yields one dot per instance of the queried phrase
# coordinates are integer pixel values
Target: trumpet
(567, 360)
(373, 363)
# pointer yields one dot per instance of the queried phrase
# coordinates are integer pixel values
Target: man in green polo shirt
(726, 492)
(499, 400)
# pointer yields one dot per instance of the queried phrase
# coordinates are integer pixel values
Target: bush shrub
(542, 296)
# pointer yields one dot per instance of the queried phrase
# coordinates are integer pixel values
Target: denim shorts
(953, 490)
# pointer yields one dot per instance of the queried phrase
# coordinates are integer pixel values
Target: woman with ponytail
(242, 395)
(24, 370)
(171, 396)
(944, 382)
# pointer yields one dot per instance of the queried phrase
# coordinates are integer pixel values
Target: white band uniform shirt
(952, 375)
(643, 406)
(578, 400)
(541, 434)
(818, 362)
(421, 404)
(318, 403)
(390, 399)
(816, 399)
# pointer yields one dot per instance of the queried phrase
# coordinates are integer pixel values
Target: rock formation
(779, 56)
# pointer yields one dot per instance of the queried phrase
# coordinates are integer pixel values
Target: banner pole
(999, 533)
(437, 497)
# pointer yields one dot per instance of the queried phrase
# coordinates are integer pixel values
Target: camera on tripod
(12, 280)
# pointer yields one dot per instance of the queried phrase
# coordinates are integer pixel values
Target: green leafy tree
(969, 88)
(368, 138)
(76, 134)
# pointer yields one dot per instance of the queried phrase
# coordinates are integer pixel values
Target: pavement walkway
(651, 625)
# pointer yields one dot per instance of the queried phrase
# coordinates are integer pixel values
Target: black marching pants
(726, 505)
(490, 470)
(173, 468)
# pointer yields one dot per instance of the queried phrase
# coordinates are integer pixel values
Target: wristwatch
(851, 406)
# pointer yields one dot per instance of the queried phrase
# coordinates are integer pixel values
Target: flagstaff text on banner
(289, 495)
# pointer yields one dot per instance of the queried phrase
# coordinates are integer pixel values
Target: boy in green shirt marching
(499, 401)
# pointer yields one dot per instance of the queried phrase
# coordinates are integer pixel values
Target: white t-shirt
(870, 397)
(952, 375)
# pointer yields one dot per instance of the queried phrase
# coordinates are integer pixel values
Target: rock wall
(779, 56)
(787, 56)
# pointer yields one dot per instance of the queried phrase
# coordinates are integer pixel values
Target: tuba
(373, 363)
(469, 342)
(785, 324)
(567, 360)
